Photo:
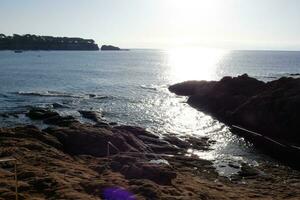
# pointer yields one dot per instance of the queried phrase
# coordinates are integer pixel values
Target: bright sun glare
(194, 63)
(192, 20)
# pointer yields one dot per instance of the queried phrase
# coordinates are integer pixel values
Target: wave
(152, 87)
(49, 94)
(96, 96)
(61, 94)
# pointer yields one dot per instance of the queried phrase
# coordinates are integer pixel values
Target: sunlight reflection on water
(180, 118)
(194, 63)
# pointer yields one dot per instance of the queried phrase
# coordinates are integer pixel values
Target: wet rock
(199, 143)
(102, 125)
(41, 113)
(60, 120)
(92, 115)
(176, 141)
(113, 123)
(248, 171)
(50, 117)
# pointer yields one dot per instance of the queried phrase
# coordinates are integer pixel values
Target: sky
(229, 24)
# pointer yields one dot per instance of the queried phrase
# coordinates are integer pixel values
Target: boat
(18, 51)
(276, 148)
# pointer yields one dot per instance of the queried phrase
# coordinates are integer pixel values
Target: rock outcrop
(271, 109)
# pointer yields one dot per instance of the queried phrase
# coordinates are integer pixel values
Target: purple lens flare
(116, 193)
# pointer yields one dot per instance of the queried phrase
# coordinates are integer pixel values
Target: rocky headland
(35, 42)
(269, 111)
(105, 160)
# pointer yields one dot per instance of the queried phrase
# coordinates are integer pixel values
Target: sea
(131, 87)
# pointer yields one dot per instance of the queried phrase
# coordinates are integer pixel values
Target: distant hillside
(34, 42)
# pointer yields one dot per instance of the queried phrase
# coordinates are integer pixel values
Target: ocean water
(131, 87)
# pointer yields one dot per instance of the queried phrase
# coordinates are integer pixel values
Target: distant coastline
(112, 48)
(35, 42)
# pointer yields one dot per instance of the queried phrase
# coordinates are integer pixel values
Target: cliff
(34, 42)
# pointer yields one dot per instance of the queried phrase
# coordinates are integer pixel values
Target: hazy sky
(236, 24)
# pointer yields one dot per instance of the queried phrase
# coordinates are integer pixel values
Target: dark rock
(268, 108)
(113, 123)
(190, 88)
(247, 171)
(92, 115)
(50, 117)
(102, 125)
(41, 113)
(60, 121)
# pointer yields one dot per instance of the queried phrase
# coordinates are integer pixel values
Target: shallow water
(131, 87)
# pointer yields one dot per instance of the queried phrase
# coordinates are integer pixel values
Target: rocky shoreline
(72, 160)
(265, 113)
